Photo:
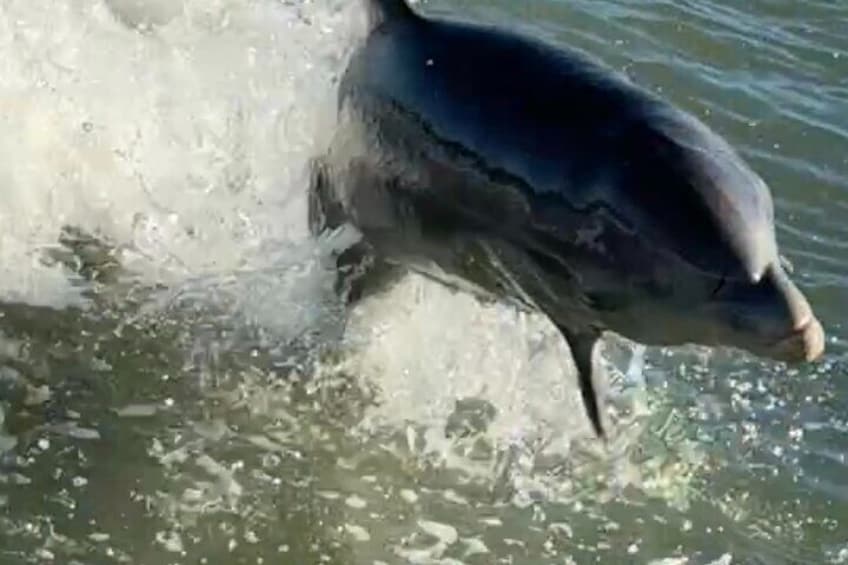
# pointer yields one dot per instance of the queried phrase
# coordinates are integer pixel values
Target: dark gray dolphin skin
(531, 174)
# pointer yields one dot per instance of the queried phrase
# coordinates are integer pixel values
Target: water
(174, 384)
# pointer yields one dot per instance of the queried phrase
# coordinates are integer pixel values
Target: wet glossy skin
(538, 176)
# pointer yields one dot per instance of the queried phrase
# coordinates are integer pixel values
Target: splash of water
(178, 132)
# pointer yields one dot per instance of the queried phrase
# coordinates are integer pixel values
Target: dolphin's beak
(773, 319)
(805, 340)
(805, 343)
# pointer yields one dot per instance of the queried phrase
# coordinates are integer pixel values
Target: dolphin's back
(549, 122)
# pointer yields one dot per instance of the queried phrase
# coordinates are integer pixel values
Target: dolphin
(529, 173)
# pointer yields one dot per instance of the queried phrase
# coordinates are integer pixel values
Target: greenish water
(172, 389)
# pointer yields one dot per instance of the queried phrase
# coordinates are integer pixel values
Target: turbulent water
(175, 382)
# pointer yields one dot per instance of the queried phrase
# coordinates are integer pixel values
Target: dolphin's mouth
(804, 343)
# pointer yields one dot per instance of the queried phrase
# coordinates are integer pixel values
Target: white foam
(428, 346)
(177, 131)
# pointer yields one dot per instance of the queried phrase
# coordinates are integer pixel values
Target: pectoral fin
(586, 350)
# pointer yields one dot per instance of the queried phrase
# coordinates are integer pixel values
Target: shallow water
(174, 387)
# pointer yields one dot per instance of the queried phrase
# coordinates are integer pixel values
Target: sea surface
(176, 385)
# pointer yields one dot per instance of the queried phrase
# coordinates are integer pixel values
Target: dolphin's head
(769, 317)
(716, 277)
(766, 315)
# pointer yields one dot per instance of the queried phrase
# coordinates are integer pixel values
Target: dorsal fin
(380, 11)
